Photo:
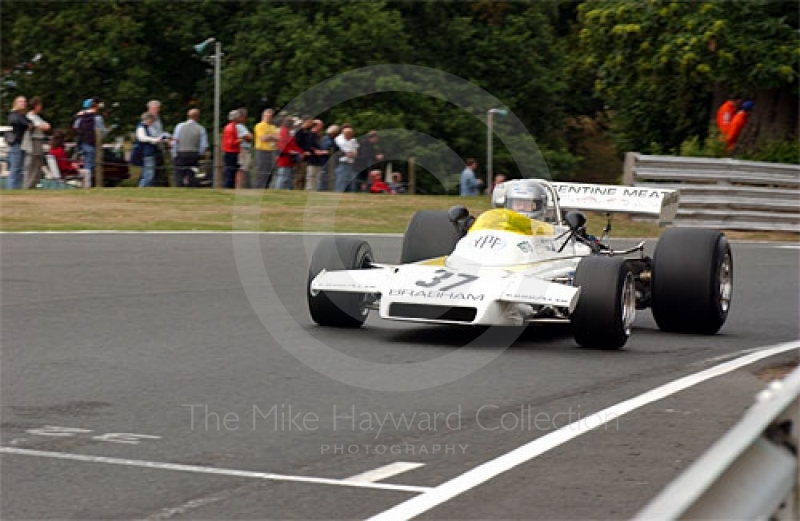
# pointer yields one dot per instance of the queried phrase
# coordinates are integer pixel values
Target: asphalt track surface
(136, 347)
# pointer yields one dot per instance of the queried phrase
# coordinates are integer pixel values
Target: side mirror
(575, 220)
(457, 213)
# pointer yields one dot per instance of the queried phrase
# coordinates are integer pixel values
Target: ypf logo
(489, 242)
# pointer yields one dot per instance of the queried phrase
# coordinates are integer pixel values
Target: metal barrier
(750, 473)
(723, 193)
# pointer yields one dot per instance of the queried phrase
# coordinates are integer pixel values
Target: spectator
(302, 137)
(316, 155)
(33, 143)
(397, 184)
(231, 147)
(157, 129)
(84, 106)
(288, 152)
(246, 153)
(148, 140)
(328, 145)
(470, 186)
(345, 173)
(725, 115)
(737, 125)
(190, 141)
(16, 155)
(87, 124)
(57, 150)
(266, 135)
(499, 178)
(376, 184)
(368, 155)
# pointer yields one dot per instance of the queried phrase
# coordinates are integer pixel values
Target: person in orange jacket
(737, 125)
(726, 113)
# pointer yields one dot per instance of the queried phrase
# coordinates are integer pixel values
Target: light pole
(216, 59)
(489, 135)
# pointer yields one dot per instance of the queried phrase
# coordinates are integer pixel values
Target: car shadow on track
(540, 336)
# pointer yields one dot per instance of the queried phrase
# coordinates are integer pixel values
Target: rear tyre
(337, 309)
(429, 234)
(692, 281)
(607, 304)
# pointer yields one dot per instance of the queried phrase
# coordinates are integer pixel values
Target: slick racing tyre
(338, 309)
(429, 235)
(692, 281)
(607, 303)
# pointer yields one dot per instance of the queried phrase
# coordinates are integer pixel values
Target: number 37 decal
(443, 276)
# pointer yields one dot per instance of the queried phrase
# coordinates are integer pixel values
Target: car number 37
(445, 277)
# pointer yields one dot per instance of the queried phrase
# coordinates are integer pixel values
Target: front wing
(418, 293)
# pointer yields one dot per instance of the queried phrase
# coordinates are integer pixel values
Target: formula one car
(524, 261)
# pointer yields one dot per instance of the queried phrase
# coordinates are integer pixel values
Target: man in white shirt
(243, 175)
(345, 170)
(157, 129)
(33, 143)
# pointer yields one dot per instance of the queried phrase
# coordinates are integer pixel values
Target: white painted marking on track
(726, 356)
(387, 471)
(194, 504)
(789, 247)
(210, 470)
(483, 473)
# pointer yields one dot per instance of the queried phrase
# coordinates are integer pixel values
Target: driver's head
(528, 198)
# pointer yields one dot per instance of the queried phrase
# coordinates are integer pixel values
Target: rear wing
(652, 202)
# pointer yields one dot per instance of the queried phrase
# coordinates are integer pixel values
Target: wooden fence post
(98, 158)
(412, 181)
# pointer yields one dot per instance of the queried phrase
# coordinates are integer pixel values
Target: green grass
(246, 210)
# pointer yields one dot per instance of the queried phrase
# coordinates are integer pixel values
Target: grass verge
(249, 210)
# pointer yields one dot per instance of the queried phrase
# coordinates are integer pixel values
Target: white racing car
(524, 261)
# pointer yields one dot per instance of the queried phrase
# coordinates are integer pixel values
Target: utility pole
(489, 136)
(216, 59)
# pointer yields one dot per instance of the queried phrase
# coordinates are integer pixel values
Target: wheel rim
(725, 282)
(628, 303)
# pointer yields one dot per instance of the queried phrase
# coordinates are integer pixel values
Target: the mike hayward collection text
(292, 418)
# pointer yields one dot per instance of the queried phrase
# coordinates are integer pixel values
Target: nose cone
(490, 248)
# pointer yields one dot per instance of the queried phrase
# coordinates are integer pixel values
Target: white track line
(185, 508)
(210, 470)
(483, 473)
(387, 471)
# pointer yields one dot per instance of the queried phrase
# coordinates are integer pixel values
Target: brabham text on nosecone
(450, 295)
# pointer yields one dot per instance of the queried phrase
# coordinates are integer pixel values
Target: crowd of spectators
(283, 152)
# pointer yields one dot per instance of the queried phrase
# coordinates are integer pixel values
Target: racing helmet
(528, 198)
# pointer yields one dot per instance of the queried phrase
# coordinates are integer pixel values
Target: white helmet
(527, 197)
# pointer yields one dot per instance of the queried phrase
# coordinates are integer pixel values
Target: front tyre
(692, 281)
(429, 234)
(607, 304)
(338, 309)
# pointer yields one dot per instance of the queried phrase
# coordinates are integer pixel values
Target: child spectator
(65, 166)
(376, 184)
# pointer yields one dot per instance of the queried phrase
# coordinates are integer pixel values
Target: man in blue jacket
(470, 185)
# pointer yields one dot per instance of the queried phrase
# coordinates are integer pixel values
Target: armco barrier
(723, 193)
(750, 473)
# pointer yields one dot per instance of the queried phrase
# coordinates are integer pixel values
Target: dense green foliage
(657, 63)
(652, 65)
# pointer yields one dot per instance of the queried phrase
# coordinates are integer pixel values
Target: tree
(657, 63)
(123, 52)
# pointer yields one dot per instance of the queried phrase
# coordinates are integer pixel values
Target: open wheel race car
(525, 261)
